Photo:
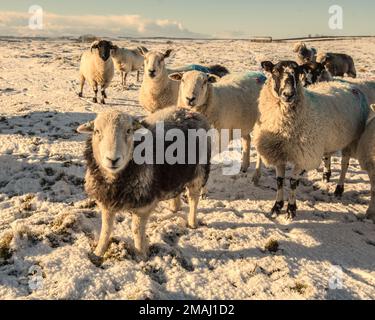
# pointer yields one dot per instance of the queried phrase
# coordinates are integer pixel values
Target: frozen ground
(48, 228)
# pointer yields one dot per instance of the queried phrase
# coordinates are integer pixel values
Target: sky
(187, 18)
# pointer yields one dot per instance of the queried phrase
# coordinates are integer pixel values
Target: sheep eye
(96, 132)
(128, 131)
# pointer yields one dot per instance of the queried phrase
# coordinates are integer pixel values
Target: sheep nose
(190, 101)
(113, 161)
(288, 95)
(151, 72)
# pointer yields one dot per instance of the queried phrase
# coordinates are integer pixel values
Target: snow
(48, 228)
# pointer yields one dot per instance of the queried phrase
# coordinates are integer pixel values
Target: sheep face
(112, 140)
(155, 63)
(312, 73)
(104, 48)
(285, 80)
(193, 87)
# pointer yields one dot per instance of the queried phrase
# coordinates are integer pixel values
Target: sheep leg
(138, 75)
(327, 169)
(292, 203)
(204, 193)
(344, 169)
(105, 233)
(82, 83)
(194, 193)
(139, 223)
(258, 170)
(124, 80)
(280, 176)
(371, 210)
(246, 141)
(95, 88)
(104, 95)
(176, 204)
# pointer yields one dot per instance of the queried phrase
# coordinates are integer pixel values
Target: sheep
(230, 104)
(314, 72)
(128, 60)
(118, 182)
(300, 126)
(157, 90)
(97, 68)
(305, 55)
(338, 64)
(366, 157)
(311, 76)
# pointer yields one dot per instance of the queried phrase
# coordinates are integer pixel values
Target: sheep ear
(212, 78)
(94, 45)
(372, 107)
(143, 51)
(267, 66)
(168, 53)
(297, 46)
(176, 76)
(86, 127)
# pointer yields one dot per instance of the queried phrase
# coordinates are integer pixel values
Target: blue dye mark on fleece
(257, 76)
(197, 67)
(363, 104)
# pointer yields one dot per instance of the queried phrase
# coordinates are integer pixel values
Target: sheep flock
(76, 205)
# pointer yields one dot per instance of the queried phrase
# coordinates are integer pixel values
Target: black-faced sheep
(314, 72)
(118, 182)
(300, 126)
(97, 68)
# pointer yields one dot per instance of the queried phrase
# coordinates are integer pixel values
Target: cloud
(17, 24)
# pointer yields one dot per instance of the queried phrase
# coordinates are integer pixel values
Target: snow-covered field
(48, 228)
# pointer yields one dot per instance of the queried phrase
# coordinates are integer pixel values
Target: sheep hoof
(256, 179)
(95, 100)
(244, 169)
(276, 210)
(80, 95)
(193, 226)
(327, 176)
(291, 212)
(96, 260)
(102, 101)
(339, 191)
(141, 256)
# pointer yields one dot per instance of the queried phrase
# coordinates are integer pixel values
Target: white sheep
(128, 60)
(157, 90)
(366, 157)
(97, 68)
(119, 182)
(229, 104)
(300, 125)
(316, 75)
(366, 87)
